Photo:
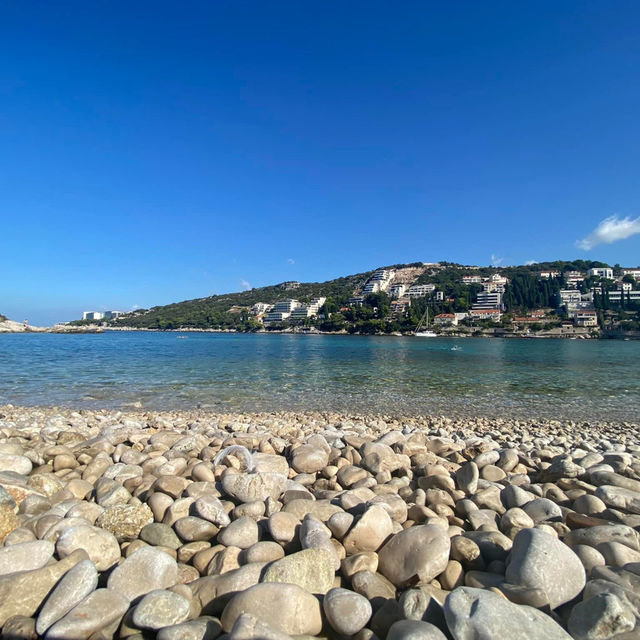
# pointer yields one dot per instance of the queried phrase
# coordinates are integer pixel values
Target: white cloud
(291, 261)
(528, 263)
(495, 260)
(610, 230)
(245, 285)
(134, 307)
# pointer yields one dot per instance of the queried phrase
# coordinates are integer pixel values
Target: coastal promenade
(193, 524)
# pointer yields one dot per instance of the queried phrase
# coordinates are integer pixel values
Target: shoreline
(95, 329)
(374, 420)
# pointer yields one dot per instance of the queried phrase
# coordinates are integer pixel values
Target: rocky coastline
(270, 526)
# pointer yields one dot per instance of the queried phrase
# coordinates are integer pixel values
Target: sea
(582, 380)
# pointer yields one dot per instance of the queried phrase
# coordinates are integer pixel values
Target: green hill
(526, 290)
(226, 310)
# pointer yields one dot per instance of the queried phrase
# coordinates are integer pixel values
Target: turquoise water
(576, 379)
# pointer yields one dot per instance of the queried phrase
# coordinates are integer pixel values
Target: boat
(424, 332)
(456, 348)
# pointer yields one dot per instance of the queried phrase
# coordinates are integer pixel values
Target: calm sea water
(401, 376)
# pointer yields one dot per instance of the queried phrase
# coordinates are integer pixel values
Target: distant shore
(10, 326)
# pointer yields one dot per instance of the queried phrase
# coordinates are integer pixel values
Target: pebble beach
(194, 525)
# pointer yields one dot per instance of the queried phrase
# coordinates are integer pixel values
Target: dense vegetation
(230, 311)
(524, 292)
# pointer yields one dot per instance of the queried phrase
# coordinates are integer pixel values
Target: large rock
(25, 556)
(145, 570)
(17, 464)
(347, 612)
(593, 536)
(21, 594)
(286, 607)
(538, 560)
(369, 532)
(211, 508)
(478, 614)
(311, 457)
(241, 533)
(160, 609)
(467, 477)
(600, 618)
(249, 487)
(619, 498)
(101, 546)
(420, 552)
(74, 587)
(311, 569)
(101, 610)
(125, 521)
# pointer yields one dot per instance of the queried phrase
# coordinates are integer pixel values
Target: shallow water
(572, 379)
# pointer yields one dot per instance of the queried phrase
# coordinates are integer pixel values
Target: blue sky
(159, 151)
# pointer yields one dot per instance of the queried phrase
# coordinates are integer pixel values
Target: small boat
(456, 348)
(422, 330)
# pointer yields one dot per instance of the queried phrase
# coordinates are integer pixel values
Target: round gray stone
(160, 609)
(25, 556)
(74, 587)
(421, 551)
(98, 611)
(145, 570)
(347, 611)
(478, 614)
(540, 561)
(100, 545)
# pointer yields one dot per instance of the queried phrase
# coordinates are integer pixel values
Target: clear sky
(152, 152)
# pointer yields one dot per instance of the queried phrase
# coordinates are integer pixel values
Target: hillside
(454, 289)
(219, 311)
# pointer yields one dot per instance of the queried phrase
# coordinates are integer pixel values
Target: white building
(307, 310)
(112, 315)
(259, 308)
(485, 314)
(601, 272)
(573, 278)
(490, 286)
(281, 310)
(92, 315)
(439, 296)
(449, 318)
(615, 295)
(475, 279)
(585, 317)
(421, 290)
(379, 281)
(569, 296)
(397, 290)
(634, 273)
(545, 275)
(488, 300)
